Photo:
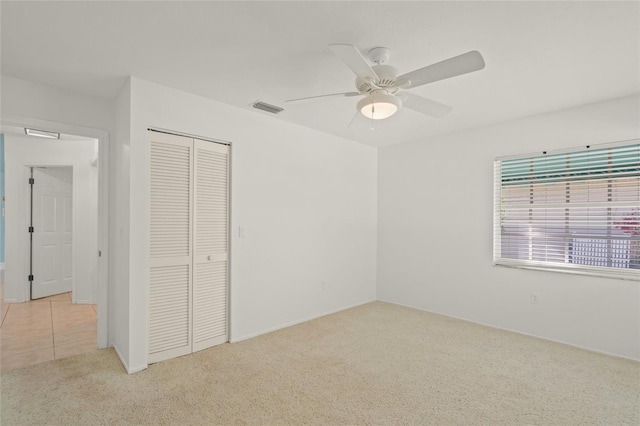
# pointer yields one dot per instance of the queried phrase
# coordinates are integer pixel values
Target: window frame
(628, 273)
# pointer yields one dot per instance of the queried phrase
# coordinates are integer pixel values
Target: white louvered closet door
(210, 244)
(189, 245)
(170, 275)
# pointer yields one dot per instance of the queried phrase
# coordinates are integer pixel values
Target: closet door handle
(209, 257)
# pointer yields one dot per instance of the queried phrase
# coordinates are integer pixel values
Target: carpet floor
(378, 363)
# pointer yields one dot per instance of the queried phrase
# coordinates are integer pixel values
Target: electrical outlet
(534, 297)
(323, 285)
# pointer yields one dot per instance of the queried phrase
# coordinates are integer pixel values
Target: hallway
(46, 329)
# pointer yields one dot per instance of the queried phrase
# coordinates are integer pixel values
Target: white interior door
(52, 256)
(170, 277)
(210, 244)
(188, 245)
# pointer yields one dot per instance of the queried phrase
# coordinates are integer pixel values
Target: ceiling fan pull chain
(373, 109)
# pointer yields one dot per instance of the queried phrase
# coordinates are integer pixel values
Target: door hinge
(31, 229)
(32, 181)
(30, 277)
(99, 253)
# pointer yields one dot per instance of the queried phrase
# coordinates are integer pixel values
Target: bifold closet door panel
(171, 230)
(210, 271)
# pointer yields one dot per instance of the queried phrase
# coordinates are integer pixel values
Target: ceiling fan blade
(352, 57)
(458, 65)
(324, 96)
(424, 105)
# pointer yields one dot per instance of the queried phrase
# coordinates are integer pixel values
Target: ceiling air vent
(267, 107)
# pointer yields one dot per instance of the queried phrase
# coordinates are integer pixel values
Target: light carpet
(375, 364)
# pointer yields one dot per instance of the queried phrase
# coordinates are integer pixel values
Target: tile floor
(45, 329)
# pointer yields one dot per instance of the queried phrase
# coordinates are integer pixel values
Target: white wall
(435, 233)
(119, 240)
(21, 98)
(307, 200)
(22, 151)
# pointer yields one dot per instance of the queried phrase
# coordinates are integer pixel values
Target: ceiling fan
(383, 89)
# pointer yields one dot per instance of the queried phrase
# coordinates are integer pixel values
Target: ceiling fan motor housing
(387, 80)
(379, 55)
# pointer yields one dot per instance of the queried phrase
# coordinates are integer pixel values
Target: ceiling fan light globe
(379, 106)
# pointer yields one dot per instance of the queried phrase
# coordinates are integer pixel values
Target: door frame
(229, 144)
(102, 136)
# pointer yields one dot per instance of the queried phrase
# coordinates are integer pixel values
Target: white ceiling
(540, 56)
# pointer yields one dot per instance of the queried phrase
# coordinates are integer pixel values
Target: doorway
(69, 267)
(51, 162)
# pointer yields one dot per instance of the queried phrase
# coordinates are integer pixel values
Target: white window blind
(573, 211)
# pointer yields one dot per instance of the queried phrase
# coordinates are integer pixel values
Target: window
(575, 211)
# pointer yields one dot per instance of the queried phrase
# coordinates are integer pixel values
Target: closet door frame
(160, 135)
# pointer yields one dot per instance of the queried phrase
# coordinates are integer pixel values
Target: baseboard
(137, 369)
(291, 324)
(126, 365)
(514, 331)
